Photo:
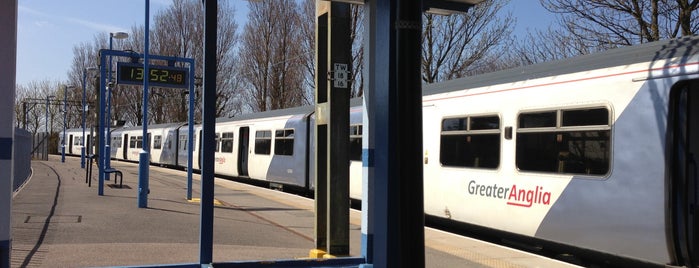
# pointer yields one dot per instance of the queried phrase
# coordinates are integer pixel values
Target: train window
(284, 142)
(355, 146)
(116, 142)
(484, 122)
(450, 124)
(534, 120)
(157, 142)
(585, 117)
(263, 142)
(136, 142)
(183, 143)
(578, 143)
(77, 140)
(472, 141)
(227, 142)
(218, 142)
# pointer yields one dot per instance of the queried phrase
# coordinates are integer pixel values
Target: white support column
(8, 62)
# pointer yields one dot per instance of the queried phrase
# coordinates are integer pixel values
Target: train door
(70, 144)
(434, 184)
(125, 144)
(684, 188)
(243, 148)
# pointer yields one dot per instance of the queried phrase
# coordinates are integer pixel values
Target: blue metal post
(206, 237)
(47, 121)
(48, 135)
(108, 134)
(143, 157)
(190, 130)
(376, 37)
(100, 132)
(63, 141)
(110, 84)
(83, 107)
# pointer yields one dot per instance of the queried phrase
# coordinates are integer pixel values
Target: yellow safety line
(198, 200)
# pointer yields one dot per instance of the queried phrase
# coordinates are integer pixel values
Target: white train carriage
(354, 150)
(170, 140)
(162, 150)
(595, 153)
(74, 141)
(181, 147)
(225, 156)
(270, 146)
(127, 143)
(573, 152)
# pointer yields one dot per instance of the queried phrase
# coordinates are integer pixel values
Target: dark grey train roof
(682, 47)
(151, 126)
(281, 112)
(289, 111)
(655, 51)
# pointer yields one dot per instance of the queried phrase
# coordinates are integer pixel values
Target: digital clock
(161, 76)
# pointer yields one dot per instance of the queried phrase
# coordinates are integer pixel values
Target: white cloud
(94, 25)
(42, 23)
(73, 20)
(27, 10)
(162, 2)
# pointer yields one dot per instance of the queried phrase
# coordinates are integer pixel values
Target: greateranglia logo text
(514, 195)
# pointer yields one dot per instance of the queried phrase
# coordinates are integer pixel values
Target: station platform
(58, 221)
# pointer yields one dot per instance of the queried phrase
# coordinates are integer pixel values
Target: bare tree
(612, 23)
(20, 107)
(36, 94)
(687, 19)
(591, 26)
(356, 37)
(271, 55)
(308, 33)
(308, 15)
(127, 100)
(454, 45)
(178, 32)
(549, 45)
(85, 55)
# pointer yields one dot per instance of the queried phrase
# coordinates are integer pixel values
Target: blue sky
(48, 30)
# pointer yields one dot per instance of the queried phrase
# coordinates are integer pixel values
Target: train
(595, 153)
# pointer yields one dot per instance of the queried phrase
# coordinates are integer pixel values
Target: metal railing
(22, 155)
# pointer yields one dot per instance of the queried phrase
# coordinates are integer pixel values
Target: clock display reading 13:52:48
(162, 76)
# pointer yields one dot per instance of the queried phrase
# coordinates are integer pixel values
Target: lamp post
(65, 112)
(48, 135)
(110, 84)
(84, 111)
